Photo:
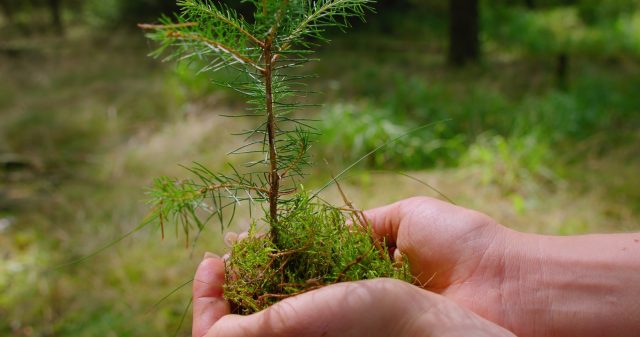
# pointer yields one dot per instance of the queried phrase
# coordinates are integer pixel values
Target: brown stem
(171, 26)
(344, 271)
(234, 53)
(294, 163)
(161, 219)
(274, 178)
(283, 296)
(361, 219)
(235, 187)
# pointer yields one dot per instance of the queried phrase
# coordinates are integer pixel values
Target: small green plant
(515, 164)
(369, 127)
(308, 244)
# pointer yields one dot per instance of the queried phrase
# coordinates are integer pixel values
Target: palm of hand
(453, 251)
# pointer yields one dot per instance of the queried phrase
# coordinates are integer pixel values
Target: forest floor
(88, 121)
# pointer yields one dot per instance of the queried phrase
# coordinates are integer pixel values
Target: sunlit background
(537, 111)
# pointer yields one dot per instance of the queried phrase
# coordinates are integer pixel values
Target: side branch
(216, 13)
(294, 163)
(234, 53)
(236, 26)
(323, 12)
(171, 26)
(235, 187)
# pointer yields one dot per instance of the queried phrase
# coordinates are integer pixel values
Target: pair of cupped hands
(475, 278)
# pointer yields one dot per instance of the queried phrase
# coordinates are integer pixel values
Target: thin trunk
(464, 45)
(562, 70)
(7, 10)
(274, 178)
(56, 17)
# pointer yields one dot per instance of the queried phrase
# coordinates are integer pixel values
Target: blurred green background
(539, 103)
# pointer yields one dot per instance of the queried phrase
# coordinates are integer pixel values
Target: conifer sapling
(308, 243)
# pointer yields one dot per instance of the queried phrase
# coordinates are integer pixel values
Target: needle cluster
(262, 50)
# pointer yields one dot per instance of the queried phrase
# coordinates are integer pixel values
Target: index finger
(384, 221)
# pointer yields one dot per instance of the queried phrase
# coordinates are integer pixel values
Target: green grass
(96, 121)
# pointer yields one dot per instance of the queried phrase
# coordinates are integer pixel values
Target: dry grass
(570, 207)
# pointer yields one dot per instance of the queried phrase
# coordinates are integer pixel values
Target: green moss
(315, 247)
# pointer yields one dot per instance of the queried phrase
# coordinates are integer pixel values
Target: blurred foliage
(514, 164)
(35, 16)
(391, 143)
(600, 12)
(613, 31)
(109, 13)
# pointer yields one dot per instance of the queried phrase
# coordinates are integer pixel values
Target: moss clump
(309, 245)
(315, 247)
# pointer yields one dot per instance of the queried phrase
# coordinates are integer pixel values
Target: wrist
(582, 285)
(525, 297)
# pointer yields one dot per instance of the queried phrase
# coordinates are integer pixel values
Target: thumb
(208, 303)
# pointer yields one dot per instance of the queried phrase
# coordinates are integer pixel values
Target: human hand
(453, 251)
(380, 307)
(533, 285)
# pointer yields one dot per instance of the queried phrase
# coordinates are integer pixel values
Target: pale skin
(475, 277)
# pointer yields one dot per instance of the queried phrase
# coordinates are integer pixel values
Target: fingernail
(210, 255)
(230, 238)
(397, 256)
(243, 236)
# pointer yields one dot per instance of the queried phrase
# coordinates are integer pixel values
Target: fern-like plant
(262, 50)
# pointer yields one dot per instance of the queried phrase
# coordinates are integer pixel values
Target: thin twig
(234, 53)
(170, 26)
(233, 186)
(362, 220)
(344, 271)
(234, 24)
(283, 296)
(295, 162)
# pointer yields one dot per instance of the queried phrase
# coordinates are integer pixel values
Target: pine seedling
(307, 245)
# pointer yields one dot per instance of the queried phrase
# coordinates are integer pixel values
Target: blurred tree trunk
(386, 26)
(530, 4)
(56, 17)
(562, 70)
(464, 45)
(7, 11)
